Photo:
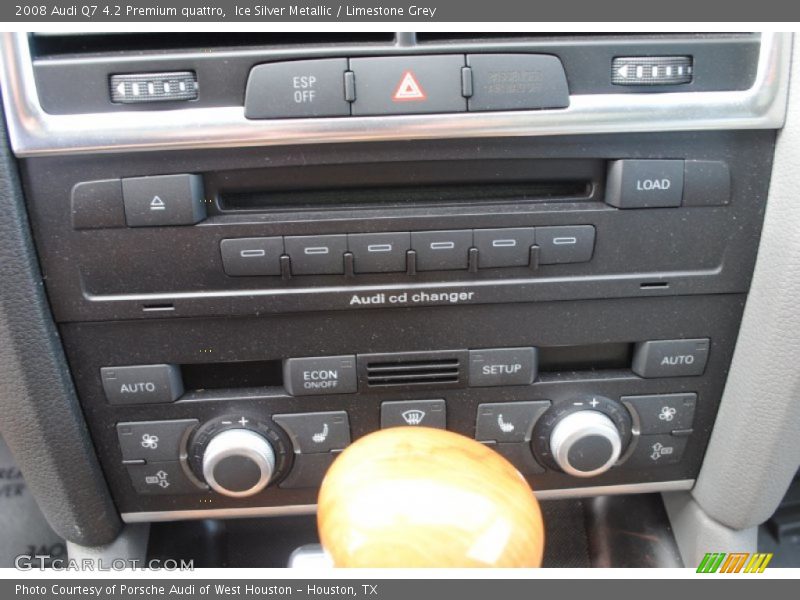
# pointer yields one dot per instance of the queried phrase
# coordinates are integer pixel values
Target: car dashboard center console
(256, 255)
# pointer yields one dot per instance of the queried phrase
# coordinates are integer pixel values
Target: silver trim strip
(310, 509)
(36, 133)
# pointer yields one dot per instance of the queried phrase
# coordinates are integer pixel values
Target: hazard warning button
(408, 84)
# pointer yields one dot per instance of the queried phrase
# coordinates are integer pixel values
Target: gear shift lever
(420, 497)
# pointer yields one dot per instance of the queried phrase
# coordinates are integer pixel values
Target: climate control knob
(238, 463)
(585, 443)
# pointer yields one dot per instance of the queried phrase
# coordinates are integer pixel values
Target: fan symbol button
(667, 413)
(149, 441)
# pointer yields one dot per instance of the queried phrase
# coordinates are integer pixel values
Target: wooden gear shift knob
(420, 497)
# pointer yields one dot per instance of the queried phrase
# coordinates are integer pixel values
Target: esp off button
(302, 88)
(320, 375)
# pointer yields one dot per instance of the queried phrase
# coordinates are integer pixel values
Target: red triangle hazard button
(409, 89)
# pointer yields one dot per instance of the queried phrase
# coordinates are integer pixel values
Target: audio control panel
(235, 318)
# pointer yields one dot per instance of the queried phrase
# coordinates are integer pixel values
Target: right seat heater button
(663, 413)
(671, 358)
(570, 244)
(508, 421)
(645, 183)
(657, 450)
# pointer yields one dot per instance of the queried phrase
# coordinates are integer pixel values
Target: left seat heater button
(161, 478)
(153, 440)
(318, 432)
(142, 384)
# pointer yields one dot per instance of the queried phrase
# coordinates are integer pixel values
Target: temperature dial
(585, 443)
(238, 463)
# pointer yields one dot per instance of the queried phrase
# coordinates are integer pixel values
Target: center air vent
(413, 370)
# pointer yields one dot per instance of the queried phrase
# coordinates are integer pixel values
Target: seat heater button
(313, 433)
(508, 421)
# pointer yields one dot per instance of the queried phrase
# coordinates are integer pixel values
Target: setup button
(502, 366)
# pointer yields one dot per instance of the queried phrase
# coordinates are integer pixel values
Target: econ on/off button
(320, 375)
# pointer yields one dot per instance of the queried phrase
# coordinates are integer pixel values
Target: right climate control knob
(585, 443)
(582, 436)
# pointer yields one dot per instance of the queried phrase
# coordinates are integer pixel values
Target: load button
(320, 375)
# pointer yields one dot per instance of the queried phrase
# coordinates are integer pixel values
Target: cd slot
(404, 185)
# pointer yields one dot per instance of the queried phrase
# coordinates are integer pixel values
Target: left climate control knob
(238, 463)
